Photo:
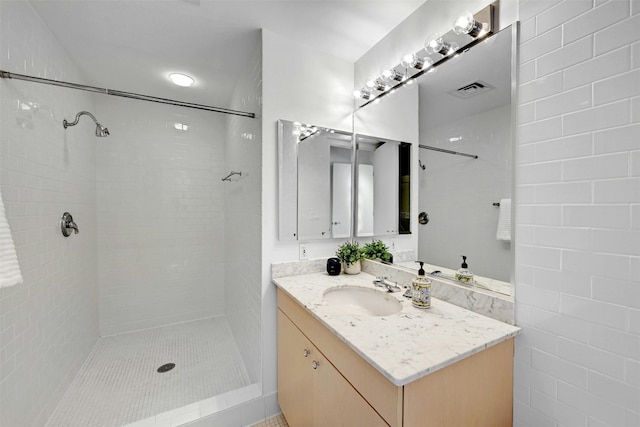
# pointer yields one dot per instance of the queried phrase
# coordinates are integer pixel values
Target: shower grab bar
(443, 150)
(228, 177)
(8, 75)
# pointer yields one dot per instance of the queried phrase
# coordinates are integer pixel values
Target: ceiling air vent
(472, 89)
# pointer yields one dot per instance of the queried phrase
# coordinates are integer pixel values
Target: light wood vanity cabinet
(313, 391)
(345, 390)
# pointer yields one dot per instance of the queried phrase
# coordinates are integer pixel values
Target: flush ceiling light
(181, 79)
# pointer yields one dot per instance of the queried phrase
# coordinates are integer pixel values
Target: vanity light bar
(476, 27)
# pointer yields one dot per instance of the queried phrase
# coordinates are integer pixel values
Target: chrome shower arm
(100, 130)
(66, 124)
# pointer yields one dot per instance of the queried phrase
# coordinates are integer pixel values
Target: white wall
(307, 86)
(49, 323)
(578, 215)
(242, 216)
(160, 213)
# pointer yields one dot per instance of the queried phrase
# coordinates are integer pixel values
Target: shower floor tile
(119, 384)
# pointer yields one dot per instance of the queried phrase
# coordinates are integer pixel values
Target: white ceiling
(487, 62)
(131, 45)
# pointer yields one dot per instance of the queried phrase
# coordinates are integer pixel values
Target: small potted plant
(377, 250)
(350, 254)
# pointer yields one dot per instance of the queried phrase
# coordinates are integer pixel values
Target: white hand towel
(504, 221)
(10, 274)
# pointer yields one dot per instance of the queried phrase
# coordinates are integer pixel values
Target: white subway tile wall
(160, 215)
(49, 323)
(243, 217)
(445, 179)
(578, 245)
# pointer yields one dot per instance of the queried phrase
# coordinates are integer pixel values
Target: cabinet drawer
(377, 390)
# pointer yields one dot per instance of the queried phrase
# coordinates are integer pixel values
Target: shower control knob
(67, 225)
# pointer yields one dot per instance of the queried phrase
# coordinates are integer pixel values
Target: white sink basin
(363, 300)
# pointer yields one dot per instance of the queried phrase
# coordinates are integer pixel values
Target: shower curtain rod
(8, 75)
(443, 150)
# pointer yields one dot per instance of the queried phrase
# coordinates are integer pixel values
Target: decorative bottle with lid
(464, 275)
(421, 287)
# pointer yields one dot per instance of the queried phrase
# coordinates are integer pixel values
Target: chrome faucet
(67, 224)
(381, 281)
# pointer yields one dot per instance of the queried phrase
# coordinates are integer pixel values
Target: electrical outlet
(304, 251)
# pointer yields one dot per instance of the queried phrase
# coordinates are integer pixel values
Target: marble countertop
(404, 346)
(449, 274)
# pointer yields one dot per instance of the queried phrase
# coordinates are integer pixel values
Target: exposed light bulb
(438, 45)
(393, 74)
(466, 24)
(411, 60)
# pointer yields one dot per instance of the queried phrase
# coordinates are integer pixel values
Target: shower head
(100, 130)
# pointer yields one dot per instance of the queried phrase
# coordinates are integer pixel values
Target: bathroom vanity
(339, 364)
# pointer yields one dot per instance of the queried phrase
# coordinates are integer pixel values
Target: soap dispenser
(421, 287)
(464, 275)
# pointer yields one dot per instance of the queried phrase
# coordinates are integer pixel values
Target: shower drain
(166, 367)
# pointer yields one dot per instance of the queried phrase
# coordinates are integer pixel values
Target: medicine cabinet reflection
(383, 185)
(314, 182)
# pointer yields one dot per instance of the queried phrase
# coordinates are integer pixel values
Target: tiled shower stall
(163, 241)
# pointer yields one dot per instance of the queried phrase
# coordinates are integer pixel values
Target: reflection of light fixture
(181, 79)
(438, 45)
(304, 131)
(377, 84)
(466, 24)
(181, 126)
(362, 93)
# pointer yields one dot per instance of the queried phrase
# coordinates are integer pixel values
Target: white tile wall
(49, 323)
(576, 287)
(243, 216)
(160, 211)
(455, 180)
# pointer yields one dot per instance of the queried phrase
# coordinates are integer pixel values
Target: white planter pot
(352, 268)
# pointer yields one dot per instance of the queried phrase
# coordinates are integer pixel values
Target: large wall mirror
(465, 172)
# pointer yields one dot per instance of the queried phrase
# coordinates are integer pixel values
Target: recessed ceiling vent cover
(472, 89)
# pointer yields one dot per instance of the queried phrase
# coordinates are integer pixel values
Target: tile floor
(119, 383)
(277, 421)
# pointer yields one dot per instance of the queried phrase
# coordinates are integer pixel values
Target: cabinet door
(295, 374)
(336, 402)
